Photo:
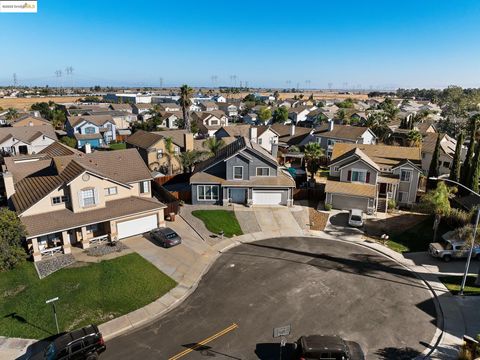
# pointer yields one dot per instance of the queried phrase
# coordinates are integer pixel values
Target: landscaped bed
(118, 146)
(219, 220)
(453, 284)
(93, 293)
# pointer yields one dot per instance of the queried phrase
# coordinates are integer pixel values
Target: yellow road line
(203, 342)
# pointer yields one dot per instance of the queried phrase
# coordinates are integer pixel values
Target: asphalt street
(317, 286)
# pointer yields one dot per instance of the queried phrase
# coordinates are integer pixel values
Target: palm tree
(12, 114)
(213, 145)
(188, 159)
(378, 123)
(414, 138)
(169, 151)
(391, 113)
(313, 155)
(185, 93)
(58, 119)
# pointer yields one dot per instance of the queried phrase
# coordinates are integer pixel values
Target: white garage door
(344, 202)
(137, 226)
(264, 197)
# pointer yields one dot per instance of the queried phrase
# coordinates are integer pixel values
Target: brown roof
(121, 107)
(56, 221)
(88, 136)
(284, 136)
(27, 134)
(178, 136)
(58, 149)
(27, 117)
(237, 130)
(341, 131)
(277, 181)
(98, 120)
(143, 139)
(348, 188)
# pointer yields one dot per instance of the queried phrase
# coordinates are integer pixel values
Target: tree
(391, 113)
(433, 170)
(12, 233)
(264, 114)
(414, 138)
(378, 124)
(186, 93)
(472, 179)
(69, 141)
(313, 154)
(280, 115)
(249, 98)
(437, 202)
(188, 159)
(169, 151)
(213, 145)
(467, 164)
(456, 165)
(12, 114)
(58, 119)
(276, 95)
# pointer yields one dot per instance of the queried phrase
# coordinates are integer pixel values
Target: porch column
(85, 244)
(66, 243)
(37, 255)
(161, 218)
(225, 197)
(113, 230)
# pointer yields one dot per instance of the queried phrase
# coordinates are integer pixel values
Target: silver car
(355, 218)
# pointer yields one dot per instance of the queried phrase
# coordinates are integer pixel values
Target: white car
(355, 218)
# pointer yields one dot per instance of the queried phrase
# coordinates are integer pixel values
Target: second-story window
(59, 200)
(111, 191)
(145, 187)
(238, 172)
(90, 130)
(405, 175)
(359, 176)
(263, 171)
(87, 197)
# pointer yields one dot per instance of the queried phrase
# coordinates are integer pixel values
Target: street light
(54, 311)
(469, 259)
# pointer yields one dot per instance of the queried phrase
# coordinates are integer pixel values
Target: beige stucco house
(66, 198)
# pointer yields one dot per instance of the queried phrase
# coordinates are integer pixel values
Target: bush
(12, 233)
(391, 204)
(328, 207)
(458, 218)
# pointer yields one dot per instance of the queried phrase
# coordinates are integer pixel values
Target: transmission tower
(330, 86)
(15, 80)
(161, 83)
(307, 83)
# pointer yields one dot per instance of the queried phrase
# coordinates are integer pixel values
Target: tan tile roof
(178, 136)
(277, 181)
(347, 188)
(98, 120)
(341, 131)
(237, 130)
(58, 149)
(27, 134)
(381, 154)
(143, 139)
(65, 219)
(88, 136)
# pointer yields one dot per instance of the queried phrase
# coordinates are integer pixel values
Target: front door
(238, 196)
(383, 189)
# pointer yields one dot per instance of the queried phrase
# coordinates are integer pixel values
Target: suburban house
(208, 106)
(366, 176)
(141, 108)
(95, 130)
(152, 148)
(242, 173)
(299, 113)
(230, 109)
(122, 119)
(170, 107)
(79, 199)
(26, 139)
(328, 134)
(291, 135)
(121, 107)
(209, 121)
(264, 136)
(219, 99)
(169, 119)
(29, 120)
(447, 152)
(250, 118)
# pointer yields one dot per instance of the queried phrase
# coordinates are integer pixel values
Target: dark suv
(82, 344)
(328, 348)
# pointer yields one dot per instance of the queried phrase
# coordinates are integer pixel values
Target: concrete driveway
(315, 285)
(275, 218)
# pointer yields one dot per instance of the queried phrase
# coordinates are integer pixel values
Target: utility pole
(161, 83)
(15, 81)
(330, 85)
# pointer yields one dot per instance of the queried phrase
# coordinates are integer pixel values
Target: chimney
(275, 150)
(88, 148)
(8, 181)
(253, 134)
(188, 138)
(292, 130)
(330, 125)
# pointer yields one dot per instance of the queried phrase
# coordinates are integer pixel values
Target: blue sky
(408, 43)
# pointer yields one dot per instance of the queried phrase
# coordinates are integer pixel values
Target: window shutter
(368, 176)
(349, 176)
(80, 202)
(95, 192)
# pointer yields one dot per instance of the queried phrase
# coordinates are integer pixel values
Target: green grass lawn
(417, 237)
(118, 146)
(218, 220)
(88, 294)
(453, 284)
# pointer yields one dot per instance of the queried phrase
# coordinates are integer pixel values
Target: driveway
(315, 285)
(275, 218)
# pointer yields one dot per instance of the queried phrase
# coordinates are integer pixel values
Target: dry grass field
(25, 103)
(318, 95)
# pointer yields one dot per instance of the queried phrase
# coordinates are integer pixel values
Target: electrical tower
(15, 80)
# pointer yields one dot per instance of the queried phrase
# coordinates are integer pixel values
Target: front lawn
(416, 238)
(118, 146)
(218, 220)
(94, 293)
(453, 284)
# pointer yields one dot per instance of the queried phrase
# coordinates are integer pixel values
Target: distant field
(319, 95)
(25, 103)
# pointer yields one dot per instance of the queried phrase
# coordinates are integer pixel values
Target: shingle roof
(178, 136)
(98, 120)
(356, 153)
(58, 149)
(222, 154)
(121, 107)
(143, 139)
(348, 188)
(282, 180)
(27, 134)
(237, 130)
(341, 131)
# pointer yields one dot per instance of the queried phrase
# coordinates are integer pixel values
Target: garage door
(264, 197)
(137, 226)
(343, 202)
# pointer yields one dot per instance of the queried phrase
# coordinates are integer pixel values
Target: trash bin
(172, 216)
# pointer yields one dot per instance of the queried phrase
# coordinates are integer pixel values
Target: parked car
(82, 344)
(327, 347)
(449, 248)
(355, 218)
(166, 237)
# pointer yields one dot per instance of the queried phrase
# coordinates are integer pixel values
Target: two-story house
(446, 154)
(170, 120)
(327, 135)
(299, 113)
(243, 173)
(208, 106)
(170, 107)
(264, 136)
(209, 121)
(26, 139)
(366, 177)
(95, 130)
(152, 148)
(231, 110)
(78, 199)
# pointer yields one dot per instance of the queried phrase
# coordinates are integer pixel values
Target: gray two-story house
(366, 177)
(242, 172)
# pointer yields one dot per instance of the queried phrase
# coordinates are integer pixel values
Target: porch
(387, 190)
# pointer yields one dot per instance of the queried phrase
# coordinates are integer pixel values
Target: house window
(92, 228)
(144, 187)
(207, 192)
(213, 122)
(87, 197)
(59, 200)
(159, 153)
(405, 175)
(89, 130)
(446, 164)
(263, 171)
(238, 172)
(359, 176)
(330, 142)
(402, 197)
(335, 168)
(259, 141)
(177, 150)
(111, 191)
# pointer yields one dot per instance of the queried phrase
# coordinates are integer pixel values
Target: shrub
(458, 218)
(12, 233)
(328, 207)
(392, 204)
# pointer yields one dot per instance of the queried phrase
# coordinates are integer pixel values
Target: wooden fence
(308, 193)
(166, 198)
